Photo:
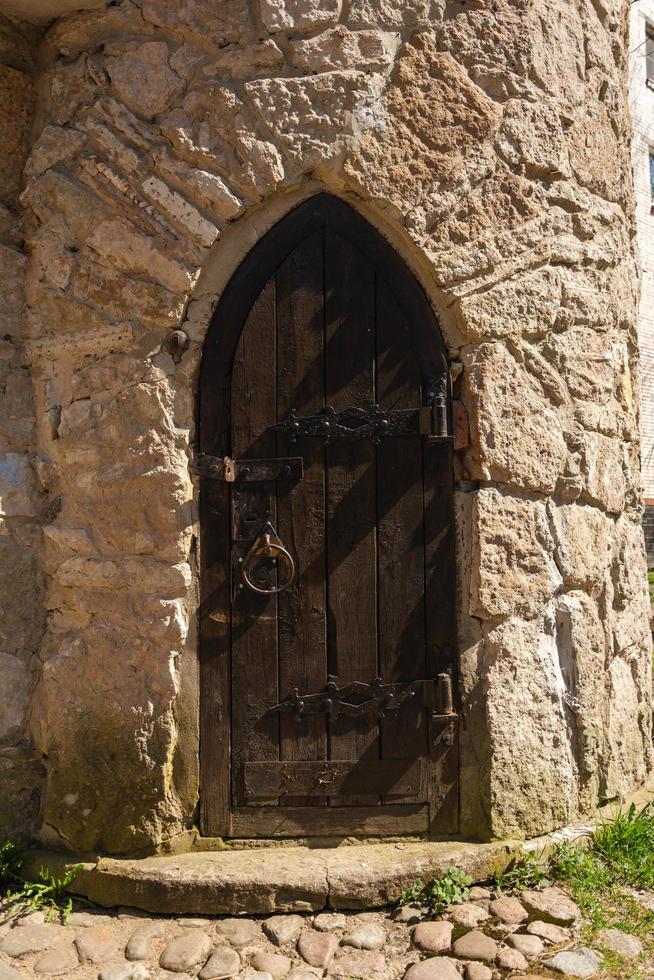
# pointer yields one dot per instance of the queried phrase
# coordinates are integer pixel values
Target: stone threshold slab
(260, 880)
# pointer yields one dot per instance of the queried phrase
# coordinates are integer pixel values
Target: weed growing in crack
(531, 871)
(438, 893)
(48, 892)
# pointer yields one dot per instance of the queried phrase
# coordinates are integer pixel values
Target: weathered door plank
(301, 509)
(287, 780)
(351, 494)
(214, 624)
(255, 730)
(440, 598)
(343, 821)
(400, 536)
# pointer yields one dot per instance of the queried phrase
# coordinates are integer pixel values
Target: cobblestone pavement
(489, 936)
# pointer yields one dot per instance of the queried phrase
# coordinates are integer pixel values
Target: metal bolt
(176, 343)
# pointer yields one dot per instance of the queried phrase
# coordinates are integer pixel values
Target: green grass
(619, 856)
(650, 583)
(626, 845)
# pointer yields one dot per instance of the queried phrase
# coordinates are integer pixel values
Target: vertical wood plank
(255, 730)
(351, 495)
(214, 629)
(400, 534)
(440, 595)
(301, 509)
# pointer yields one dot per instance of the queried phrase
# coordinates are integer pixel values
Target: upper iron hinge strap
(372, 423)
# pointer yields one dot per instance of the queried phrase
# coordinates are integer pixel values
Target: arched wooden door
(327, 614)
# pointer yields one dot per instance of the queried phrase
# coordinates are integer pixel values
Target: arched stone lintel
(243, 234)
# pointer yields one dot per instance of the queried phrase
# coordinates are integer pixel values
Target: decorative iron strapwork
(358, 698)
(372, 423)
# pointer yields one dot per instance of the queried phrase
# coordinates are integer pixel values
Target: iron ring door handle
(265, 547)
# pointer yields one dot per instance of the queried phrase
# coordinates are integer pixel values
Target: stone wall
(22, 618)
(489, 142)
(641, 98)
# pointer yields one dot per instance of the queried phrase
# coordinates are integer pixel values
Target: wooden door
(327, 618)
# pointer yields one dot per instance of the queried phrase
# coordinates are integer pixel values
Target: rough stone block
(394, 13)
(517, 436)
(213, 128)
(604, 471)
(144, 80)
(18, 495)
(16, 105)
(128, 250)
(22, 616)
(298, 15)
(12, 269)
(340, 48)
(311, 118)
(533, 771)
(55, 144)
(524, 305)
(208, 189)
(514, 569)
(225, 23)
(432, 116)
(22, 777)
(583, 541)
(13, 696)
(531, 135)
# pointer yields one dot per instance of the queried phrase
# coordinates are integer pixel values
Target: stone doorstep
(261, 880)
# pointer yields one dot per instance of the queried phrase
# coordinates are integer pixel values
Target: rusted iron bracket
(288, 469)
(372, 423)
